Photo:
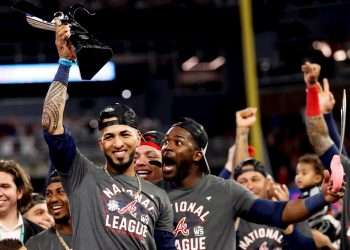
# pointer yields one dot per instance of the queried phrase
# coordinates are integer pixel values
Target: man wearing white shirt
(15, 192)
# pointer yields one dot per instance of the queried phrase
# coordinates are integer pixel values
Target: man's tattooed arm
(318, 134)
(241, 151)
(52, 116)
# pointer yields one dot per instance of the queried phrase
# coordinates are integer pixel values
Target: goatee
(121, 167)
(63, 221)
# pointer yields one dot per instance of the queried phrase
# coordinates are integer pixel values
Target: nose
(48, 218)
(166, 147)
(51, 199)
(250, 186)
(140, 161)
(117, 142)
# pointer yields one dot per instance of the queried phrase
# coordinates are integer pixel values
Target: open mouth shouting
(169, 163)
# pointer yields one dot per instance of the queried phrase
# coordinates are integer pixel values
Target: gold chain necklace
(63, 243)
(139, 184)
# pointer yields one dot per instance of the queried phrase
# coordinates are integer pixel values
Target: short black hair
(53, 177)
(257, 166)
(314, 161)
(10, 244)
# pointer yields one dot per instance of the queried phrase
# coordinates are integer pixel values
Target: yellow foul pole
(251, 79)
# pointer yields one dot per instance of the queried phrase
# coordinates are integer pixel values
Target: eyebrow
(179, 136)
(151, 152)
(125, 131)
(107, 134)
(176, 136)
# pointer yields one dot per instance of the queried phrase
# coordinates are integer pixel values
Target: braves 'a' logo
(181, 227)
(129, 208)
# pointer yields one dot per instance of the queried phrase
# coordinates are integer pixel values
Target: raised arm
(52, 116)
(327, 102)
(244, 120)
(281, 214)
(315, 123)
(61, 145)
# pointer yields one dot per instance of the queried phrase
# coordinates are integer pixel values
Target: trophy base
(91, 58)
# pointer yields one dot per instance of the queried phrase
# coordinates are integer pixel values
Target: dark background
(151, 39)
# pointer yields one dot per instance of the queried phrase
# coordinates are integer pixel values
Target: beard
(63, 221)
(121, 167)
(181, 172)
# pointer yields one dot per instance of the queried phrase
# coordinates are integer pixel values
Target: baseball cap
(199, 135)
(53, 177)
(123, 114)
(249, 164)
(153, 138)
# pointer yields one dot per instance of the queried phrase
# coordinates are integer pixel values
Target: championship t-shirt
(251, 236)
(107, 213)
(48, 240)
(205, 213)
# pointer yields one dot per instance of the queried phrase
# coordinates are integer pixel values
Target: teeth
(143, 172)
(119, 153)
(168, 168)
(57, 207)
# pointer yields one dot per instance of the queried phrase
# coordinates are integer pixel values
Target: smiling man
(148, 158)
(15, 193)
(205, 205)
(111, 207)
(59, 236)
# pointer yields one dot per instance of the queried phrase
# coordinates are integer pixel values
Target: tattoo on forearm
(318, 134)
(53, 106)
(241, 151)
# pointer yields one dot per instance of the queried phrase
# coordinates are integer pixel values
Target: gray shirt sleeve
(80, 167)
(166, 217)
(241, 199)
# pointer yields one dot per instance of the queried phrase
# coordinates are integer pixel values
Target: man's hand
(327, 187)
(245, 118)
(64, 46)
(326, 98)
(311, 73)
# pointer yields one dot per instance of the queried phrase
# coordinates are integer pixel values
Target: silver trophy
(92, 55)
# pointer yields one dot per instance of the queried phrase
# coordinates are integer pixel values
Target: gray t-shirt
(47, 240)
(251, 236)
(105, 213)
(204, 214)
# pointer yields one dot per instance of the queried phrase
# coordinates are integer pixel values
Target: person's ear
(318, 178)
(197, 156)
(100, 143)
(19, 193)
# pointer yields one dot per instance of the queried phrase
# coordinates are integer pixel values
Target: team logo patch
(181, 228)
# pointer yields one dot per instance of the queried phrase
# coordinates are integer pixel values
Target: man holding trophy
(111, 207)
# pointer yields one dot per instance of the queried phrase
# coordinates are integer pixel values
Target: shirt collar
(18, 225)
